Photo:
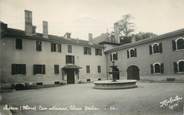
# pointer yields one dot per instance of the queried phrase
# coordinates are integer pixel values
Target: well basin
(119, 84)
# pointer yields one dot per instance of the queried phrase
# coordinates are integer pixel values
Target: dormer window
(155, 48)
(178, 44)
(132, 52)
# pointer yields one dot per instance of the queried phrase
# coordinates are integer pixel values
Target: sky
(81, 17)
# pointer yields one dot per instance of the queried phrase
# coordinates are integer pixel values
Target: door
(133, 72)
(70, 76)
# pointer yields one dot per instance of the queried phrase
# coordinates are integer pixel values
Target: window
(155, 48)
(53, 47)
(18, 69)
(59, 47)
(179, 66)
(87, 50)
(70, 59)
(87, 69)
(99, 69)
(56, 69)
(157, 68)
(98, 52)
(18, 44)
(69, 48)
(114, 56)
(38, 46)
(178, 43)
(132, 53)
(56, 47)
(38, 69)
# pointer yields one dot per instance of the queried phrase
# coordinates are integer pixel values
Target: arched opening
(133, 72)
(180, 43)
(181, 66)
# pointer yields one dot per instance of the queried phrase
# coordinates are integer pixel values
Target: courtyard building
(41, 58)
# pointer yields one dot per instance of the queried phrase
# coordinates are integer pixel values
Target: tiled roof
(15, 33)
(176, 33)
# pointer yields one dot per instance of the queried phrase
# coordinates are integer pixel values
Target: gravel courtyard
(82, 99)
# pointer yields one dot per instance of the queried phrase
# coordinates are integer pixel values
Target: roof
(176, 33)
(72, 67)
(15, 33)
(104, 37)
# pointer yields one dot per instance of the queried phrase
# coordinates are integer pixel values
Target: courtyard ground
(144, 100)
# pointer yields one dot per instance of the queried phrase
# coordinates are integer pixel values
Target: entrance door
(133, 72)
(70, 76)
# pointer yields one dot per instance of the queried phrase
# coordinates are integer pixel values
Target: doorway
(133, 72)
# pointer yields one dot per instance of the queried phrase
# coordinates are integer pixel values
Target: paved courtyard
(82, 99)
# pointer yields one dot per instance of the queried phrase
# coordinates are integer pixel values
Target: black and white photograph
(91, 57)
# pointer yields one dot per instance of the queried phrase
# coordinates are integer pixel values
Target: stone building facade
(41, 58)
(158, 59)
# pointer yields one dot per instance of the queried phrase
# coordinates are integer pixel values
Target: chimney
(117, 32)
(3, 29)
(90, 38)
(133, 40)
(45, 29)
(28, 23)
(67, 35)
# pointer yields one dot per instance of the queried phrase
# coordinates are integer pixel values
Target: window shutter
(173, 45)
(13, 69)
(160, 46)
(34, 69)
(162, 68)
(135, 52)
(151, 68)
(150, 49)
(127, 54)
(175, 67)
(43, 69)
(23, 69)
(111, 57)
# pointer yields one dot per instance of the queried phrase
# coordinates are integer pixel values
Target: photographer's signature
(171, 102)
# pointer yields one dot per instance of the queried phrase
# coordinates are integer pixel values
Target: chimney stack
(90, 38)
(117, 32)
(45, 29)
(67, 35)
(3, 29)
(28, 23)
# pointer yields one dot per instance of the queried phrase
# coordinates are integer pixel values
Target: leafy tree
(125, 26)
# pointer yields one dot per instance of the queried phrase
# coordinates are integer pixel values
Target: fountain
(114, 83)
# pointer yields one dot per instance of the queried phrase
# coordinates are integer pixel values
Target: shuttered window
(99, 69)
(38, 46)
(157, 68)
(132, 52)
(18, 69)
(98, 52)
(155, 48)
(69, 48)
(56, 69)
(70, 59)
(87, 50)
(38, 69)
(18, 43)
(87, 69)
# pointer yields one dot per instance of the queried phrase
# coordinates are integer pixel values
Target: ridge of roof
(178, 32)
(11, 32)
